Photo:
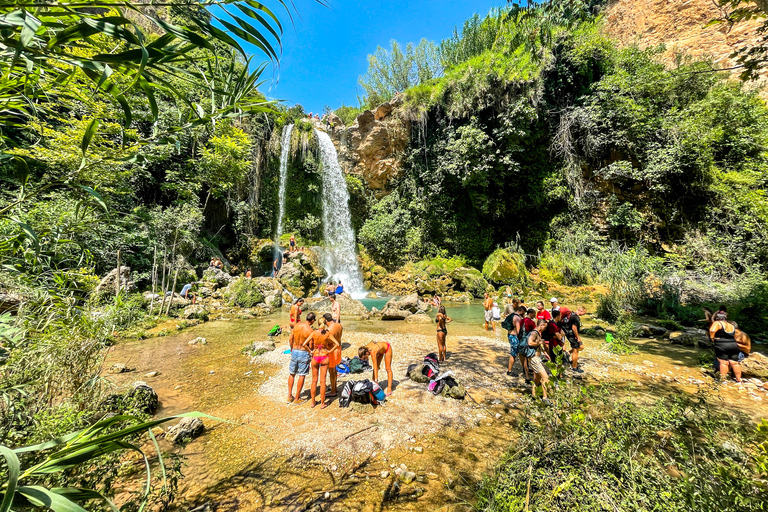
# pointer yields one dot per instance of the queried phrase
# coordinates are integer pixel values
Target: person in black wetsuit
(723, 336)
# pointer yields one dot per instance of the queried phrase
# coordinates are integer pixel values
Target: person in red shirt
(553, 336)
(542, 313)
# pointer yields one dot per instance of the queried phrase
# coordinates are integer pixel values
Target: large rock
(197, 311)
(143, 398)
(689, 337)
(259, 347)
(469, 280)
(419, 318)
(349, 306)
(245, 293)
(302, 274)
(755, 366)
(216, 278)
(108, 284)
(504, 267)
(272, 290)
(649, 331)
(186, 430)
(389, 313)
(441, 285)
(372, 146)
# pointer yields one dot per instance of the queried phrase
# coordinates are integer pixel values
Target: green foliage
(244, 293)
(224, 161)
(618, 342)
(348, 114)
(594, 451)
(393, 71)
(506, 267)
(390, 232)
(440, 266)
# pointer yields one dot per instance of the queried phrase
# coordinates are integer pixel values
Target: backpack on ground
(342, 369)
(275, 331)
(355, 365)
(346, 393)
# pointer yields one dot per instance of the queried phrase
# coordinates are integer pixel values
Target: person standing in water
(488, 305)
(378, 351)
(299, 358)
(442, 331)
(336, 331)
(322, 343)
(335, 308)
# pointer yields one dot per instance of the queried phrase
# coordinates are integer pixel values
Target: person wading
(488, 305)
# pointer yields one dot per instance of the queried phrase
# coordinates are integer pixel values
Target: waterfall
(285, 147)
(339, 257)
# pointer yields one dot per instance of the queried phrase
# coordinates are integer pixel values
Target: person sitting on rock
(339, 289)
(378, 351)
(212, 263)
(248, 274)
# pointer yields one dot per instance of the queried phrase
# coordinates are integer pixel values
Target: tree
(393, 71)
(754, 56)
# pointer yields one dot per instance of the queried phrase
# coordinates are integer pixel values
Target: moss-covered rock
(244, 293)
(470, 280)
(504, 267)
(302, 274)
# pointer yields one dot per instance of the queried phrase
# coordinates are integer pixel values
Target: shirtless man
(300, 357)
(336, 331)
(295, 317)
(335, 308)
(488, 305)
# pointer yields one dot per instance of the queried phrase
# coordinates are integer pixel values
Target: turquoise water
(375, 303)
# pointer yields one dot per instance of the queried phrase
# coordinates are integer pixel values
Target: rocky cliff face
(372, 146)
(680, 25)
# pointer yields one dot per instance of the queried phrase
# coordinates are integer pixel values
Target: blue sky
(325, 50)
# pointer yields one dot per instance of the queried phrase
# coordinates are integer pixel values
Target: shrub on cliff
(506, 267)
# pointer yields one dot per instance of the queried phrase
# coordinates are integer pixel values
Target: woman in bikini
(377, 351)
(322, 343)
(442, 319)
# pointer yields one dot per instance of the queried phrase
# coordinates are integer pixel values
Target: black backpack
(509, 323)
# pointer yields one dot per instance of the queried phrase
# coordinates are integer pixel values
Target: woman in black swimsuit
(727, 350)
(442, 319)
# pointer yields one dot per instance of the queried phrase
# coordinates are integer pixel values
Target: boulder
(151, 297)
(389, 313)
(198, 341)
(755, 366)
(469, 280)
(245, 293)
(301, 274)
(419, 318)
(108, 284)
(349, 306)
(143, 398)
(216, 278)
(120, 368)
(272, 290)
(649, 331)
(504, 267)
(197, 311)
(335, 121)
(186, 430)
(260, 347)
(686, 338)
(409, 303)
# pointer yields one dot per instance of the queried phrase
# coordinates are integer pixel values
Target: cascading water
(339, 257)
(284, 150)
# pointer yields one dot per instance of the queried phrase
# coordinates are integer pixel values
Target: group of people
(333, 288)
(318, 349)
(537, 336)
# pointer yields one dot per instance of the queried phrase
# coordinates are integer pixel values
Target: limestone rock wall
(372, 147)
(680, 24)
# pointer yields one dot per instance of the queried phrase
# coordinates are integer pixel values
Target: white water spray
(339, 257)
(285, 147)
